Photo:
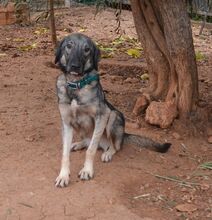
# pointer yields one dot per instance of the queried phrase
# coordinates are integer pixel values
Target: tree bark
(164, 29)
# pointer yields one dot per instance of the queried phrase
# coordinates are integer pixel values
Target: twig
(52, 91)
(184, 147)
(141, 196)
(178, 181)
(206, 165)
(24, 204)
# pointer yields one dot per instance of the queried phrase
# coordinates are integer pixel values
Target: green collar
(83, 82)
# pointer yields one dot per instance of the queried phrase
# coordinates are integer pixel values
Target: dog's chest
(81, 116)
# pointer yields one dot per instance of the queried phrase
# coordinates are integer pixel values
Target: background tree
(52, 23)
(163, 27)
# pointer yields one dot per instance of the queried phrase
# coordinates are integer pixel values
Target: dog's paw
(86, 174)
(107, 156)
(62, 180)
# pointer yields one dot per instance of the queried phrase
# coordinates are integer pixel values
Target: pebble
(209, 131)
(176, 135)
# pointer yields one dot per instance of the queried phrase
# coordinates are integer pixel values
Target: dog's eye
(69, 45)
(87, 49)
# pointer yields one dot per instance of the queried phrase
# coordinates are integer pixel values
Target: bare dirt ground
(132, 185)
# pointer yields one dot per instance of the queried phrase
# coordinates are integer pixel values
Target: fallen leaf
(18, 40)
(186, 207)
(41, 31)
(118, 40)
(200, 56)
(134, 53)
(145, 76)
(107, 55)
(28, 47)
(82, 30)
(106, 49)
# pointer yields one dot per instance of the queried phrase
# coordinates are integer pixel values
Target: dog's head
(77, 54)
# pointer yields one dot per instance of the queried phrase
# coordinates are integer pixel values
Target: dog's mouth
(74, 73)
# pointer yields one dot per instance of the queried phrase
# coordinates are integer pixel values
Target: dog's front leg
(67, 134)
(87, 171)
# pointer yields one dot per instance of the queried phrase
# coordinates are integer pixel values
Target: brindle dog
(85, 110)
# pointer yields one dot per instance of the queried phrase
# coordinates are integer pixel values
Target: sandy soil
(131, 186)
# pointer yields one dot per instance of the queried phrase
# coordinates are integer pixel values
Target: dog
(86, 112)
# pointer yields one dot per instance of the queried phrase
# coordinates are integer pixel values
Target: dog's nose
(75, 66)
(72, 67)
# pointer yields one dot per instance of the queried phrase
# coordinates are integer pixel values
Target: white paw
(106, 156)
(63, 179)
(86, 173)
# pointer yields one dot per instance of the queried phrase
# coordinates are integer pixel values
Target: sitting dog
(85, 110)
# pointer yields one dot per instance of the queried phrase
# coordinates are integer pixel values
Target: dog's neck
(73, 77)
(76, 82)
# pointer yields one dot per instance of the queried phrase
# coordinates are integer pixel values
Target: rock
(161, 113)
(209, 130)
(134, 125)
(141, 104)
(131, 80)
(176, 135)
(186, 207)
(210, 139)
(22, 13)
(7, 14)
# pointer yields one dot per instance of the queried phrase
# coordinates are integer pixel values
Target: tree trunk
(165, 32)
(52, 23)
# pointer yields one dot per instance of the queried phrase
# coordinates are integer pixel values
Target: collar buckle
(83, 82)
(74, 85)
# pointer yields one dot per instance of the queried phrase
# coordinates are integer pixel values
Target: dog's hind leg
(108, 154)
(80, 145)
(114, 132)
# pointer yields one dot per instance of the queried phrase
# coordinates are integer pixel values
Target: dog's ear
(58, 53)
(97, 56)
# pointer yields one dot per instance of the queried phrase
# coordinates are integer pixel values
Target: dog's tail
(145, 142)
